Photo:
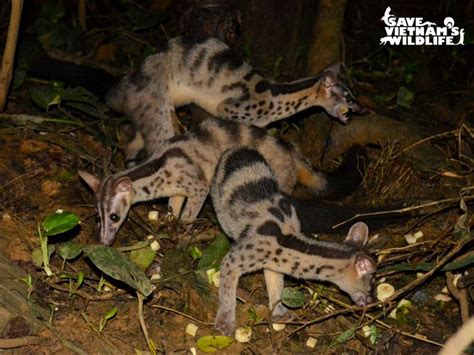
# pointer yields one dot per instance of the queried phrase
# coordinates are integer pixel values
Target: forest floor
(40, 155)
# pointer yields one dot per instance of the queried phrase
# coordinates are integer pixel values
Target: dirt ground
(41, 153)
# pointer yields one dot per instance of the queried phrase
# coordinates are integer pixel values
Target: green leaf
(213, 254)
(69, 250)
(292, 297)
(212, 343)
(119, 267)
(455, 265)
(80, 279)
(143, 257)
(345, 336)
(110, 314)
(374, 334)
(58, 223)
(253, 315)
(37, 255)
(45, 96)
(405, 97)
(88, 109)
(196, 253)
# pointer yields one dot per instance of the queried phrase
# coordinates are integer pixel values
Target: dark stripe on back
(286, 88)
(276, 212)
(250, 74)
(239, 159)
(226, 57)
(232, 129)
(258, 133)
(203, 134)
(255, 191)
(199, 59)
(179, 138)
(322, 249)
(285, 206)
(150, 167)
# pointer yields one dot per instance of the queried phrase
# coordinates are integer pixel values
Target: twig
(400, 211)
(9, 52)
(427, 139)
(460, 295)
(141, 318)
(182, 314)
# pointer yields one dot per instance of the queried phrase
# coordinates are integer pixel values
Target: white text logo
(413, 31)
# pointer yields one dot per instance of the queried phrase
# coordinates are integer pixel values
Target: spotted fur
(209, 74)
(253, 211)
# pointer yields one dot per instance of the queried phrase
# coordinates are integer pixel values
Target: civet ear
(358, 234)
(92, 181)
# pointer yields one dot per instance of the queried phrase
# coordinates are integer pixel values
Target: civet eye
(114, 217)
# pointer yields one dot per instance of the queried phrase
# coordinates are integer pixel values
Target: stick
(399, 211)
(9, 53)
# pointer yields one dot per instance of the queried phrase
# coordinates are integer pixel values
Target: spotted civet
(183, 166)
(211, 75)
(253, 211)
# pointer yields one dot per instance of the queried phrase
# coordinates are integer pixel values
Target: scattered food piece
(384, 290)
(311, 342)
(155, 277)
(329, 308)
(442, 297)
(59, 211)
(243, 334)
(456, 279)
(210, 275)
(216, 279)
(153, 215)
(154, 245)
(418, 234)
(192, 329)
(412, 238)
(419, 274)
(193, 351)
(278, 327)
(366, 331)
